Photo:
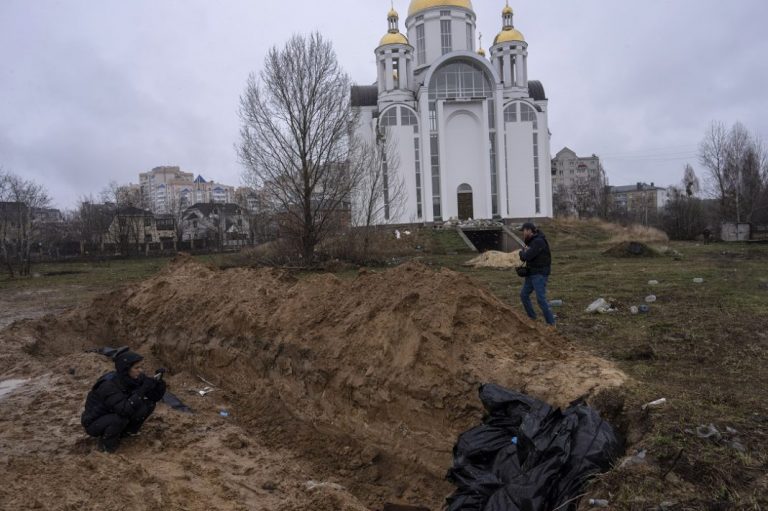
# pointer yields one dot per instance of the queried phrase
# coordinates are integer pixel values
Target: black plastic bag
(529, 456)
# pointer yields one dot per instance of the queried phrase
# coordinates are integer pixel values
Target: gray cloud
(96, 91)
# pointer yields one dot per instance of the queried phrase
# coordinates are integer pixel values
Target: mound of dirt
(631, 249)
(368, 380)
(495, 259)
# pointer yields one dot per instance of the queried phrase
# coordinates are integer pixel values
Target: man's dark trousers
(538, 283)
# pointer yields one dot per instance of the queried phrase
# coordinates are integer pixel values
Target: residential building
(131, 227)
(569, 169)
(225, 224)
(168, 190)
(471, 129)
(578, 183)
(640, 200)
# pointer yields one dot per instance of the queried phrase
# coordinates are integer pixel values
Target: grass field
(704, 347)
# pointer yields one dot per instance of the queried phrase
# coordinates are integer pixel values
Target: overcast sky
(99, 90)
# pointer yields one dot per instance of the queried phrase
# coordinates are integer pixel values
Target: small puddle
(8, 386)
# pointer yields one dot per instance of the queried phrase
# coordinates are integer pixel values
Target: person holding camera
(120, 401)
(538, 261)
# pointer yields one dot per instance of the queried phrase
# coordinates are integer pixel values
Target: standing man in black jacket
(120, 401)
(538, 258)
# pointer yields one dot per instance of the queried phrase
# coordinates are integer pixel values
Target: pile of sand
(495, 259)
(368, 380)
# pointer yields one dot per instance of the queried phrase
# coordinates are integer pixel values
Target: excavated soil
(342, 394)
(494, 259)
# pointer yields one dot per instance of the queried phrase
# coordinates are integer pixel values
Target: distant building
(168, 190)
(568, 168)
(225, 224)
(131, 226)
(47, 215)
(578, 183)
(640, 200)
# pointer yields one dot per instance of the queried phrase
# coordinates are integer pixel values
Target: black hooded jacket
(537, 256)
(117, 393)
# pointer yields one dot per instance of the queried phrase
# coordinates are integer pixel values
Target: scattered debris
(709, 431)
(655, 404)
(650, 299)
(203, 392)
(224, 413)
(556, 303)
(634, 310)
(638, 458)
(698, 280)
(598, 503)
(175, 403)
(601, 306)
(653, 282)
(644, 309)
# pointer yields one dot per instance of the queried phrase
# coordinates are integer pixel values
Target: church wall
(521, 191)
(464, 148)
(406, 171)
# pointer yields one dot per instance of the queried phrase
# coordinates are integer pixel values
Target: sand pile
(369, 379)
(495, 259)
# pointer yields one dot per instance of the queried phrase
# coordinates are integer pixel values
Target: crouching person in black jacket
(120, 401)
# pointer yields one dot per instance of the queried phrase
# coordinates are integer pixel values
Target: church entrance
(465, 202)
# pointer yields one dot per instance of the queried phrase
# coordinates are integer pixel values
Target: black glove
(147, 384)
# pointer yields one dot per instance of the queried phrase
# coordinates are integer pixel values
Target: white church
(470, 128)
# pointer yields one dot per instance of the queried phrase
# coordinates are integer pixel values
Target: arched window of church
(389, 118)
(461, 79)
(528, 114)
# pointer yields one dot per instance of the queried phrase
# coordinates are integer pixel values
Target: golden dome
(393, 13)
(396, 38)
(508, 36)
(507, 10)
(481, 52)
(422, 5)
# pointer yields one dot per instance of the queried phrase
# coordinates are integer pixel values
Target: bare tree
(125, 229)
(736, 163)
(20, 199)
(691, 183)
(295, 137)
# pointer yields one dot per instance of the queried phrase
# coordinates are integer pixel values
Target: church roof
(536, 90)
(365, 95)
(418, 6)
(200, 180)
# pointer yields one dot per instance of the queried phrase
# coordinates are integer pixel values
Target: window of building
(389, 118)
(446, 36)
(409, 118)
(421, 47)
(445, 13)
(434, 147)
(470, 38)
(417, 156)
(528, 114)
(463, 79)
